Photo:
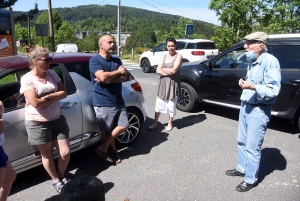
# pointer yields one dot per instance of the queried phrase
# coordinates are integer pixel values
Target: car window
(161, 47)
(9, 90)
(287, 55)
(235, 59)
(206, 45)
(13, 77)
(190, 46)
(81, 68)
(58, 72)
(180, 45)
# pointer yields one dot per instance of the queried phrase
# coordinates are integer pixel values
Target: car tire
(189, 98)
(146, 67)
(135, 126)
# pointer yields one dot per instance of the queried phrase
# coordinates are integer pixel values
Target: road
(186, 164)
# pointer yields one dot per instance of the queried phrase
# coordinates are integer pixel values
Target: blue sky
(193, 9)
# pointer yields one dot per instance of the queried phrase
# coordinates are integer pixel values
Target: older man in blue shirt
(260, 89)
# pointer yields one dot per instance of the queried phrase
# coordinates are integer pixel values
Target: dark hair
(171, 40)
(84, 187)
(28, 48)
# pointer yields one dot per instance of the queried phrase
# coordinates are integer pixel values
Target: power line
(154, 6)
(183, 11)
(101, 2)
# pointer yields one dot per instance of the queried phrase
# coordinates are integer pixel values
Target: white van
(68, 47)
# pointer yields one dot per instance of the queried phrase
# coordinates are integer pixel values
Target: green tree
(280, 16)
(21, 33)
(65, 33)
(44, 19)
(237, 19)
(91, 41)
(177, 31)
(144, 37)
(56, 19)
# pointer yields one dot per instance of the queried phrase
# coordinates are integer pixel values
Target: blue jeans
(253, 122)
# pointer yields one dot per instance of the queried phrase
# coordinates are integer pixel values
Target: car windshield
(206, 45)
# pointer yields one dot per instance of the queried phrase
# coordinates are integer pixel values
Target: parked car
(73, 69)
(67, 47)
(191, 50)
(216, 81)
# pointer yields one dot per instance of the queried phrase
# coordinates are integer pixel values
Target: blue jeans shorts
(3, 158)
(110, 117)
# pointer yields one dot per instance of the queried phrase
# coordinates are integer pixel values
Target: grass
(8, 79)
(128, 57)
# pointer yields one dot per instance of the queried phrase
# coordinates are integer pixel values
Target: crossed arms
(38, 102)
(116, 76)
(169, 71)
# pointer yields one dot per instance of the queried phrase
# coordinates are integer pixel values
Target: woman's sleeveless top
(168, 86)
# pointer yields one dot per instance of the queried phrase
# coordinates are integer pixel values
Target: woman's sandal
(57, 186)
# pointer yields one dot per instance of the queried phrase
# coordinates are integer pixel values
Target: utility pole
(51, 26)
(28, 22)
(119, 27)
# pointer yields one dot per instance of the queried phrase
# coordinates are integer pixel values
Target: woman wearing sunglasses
(45, 124)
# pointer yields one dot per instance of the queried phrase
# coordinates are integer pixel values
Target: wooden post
(132, 54)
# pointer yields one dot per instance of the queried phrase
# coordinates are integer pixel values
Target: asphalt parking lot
(188, 163)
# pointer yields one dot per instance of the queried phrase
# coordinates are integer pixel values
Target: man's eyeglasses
(250, 42)
(47, 60)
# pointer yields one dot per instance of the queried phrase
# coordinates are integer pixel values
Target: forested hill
(104, 18)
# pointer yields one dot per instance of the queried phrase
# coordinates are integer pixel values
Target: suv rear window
(288, 55)
(205, 45)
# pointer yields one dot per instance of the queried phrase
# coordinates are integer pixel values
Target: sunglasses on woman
(47, 60)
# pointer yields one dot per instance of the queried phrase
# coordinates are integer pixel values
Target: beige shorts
(163, 106)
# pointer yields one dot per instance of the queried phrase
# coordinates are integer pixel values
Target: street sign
(7, 38)
(41, 29)
(189, 29)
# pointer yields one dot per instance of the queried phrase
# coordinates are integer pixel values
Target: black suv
(216, 81)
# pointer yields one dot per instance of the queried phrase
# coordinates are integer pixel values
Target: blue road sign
(189, 29)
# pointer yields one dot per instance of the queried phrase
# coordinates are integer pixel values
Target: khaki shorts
(44, 132)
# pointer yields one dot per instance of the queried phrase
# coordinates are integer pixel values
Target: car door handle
(68, 105)
(295, 81)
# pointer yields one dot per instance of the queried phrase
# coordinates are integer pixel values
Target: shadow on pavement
(87, 162)
(276, 123)
(271, 160)
(146, 141)
(188, 121)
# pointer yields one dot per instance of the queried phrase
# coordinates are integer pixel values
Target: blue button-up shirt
(265, 74)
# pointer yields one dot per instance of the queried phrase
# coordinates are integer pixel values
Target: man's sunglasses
(49, 59)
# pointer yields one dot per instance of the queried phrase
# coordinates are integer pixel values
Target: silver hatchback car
(73, 69)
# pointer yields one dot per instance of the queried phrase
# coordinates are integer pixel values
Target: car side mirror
(208, 65)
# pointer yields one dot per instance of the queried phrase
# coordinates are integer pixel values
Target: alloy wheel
(132, 131)
(185, 98)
